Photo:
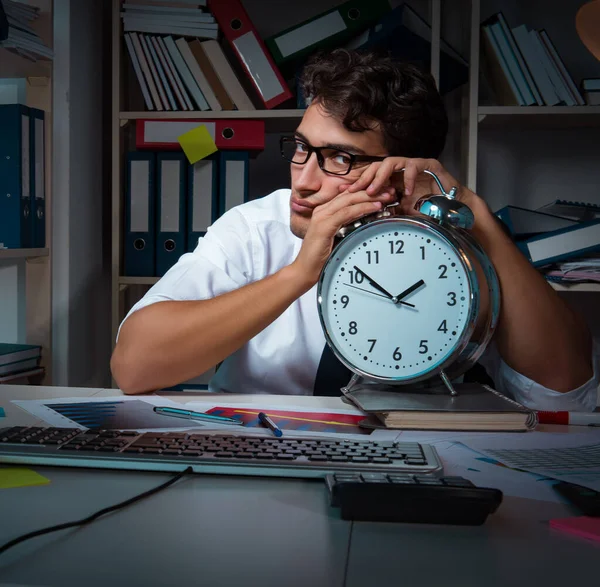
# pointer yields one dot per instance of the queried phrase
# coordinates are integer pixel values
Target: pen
(191, 415)
(266, 421)
(572, 418)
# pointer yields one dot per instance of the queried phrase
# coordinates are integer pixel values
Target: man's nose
(310, 176)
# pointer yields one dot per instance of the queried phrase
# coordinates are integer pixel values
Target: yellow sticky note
(197, 144)
(20, 477)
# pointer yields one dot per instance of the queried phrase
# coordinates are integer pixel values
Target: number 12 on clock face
(396, 299)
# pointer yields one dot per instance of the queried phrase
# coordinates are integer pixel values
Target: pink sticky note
(584, 526)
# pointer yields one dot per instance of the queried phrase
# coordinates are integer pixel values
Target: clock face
(395, 300)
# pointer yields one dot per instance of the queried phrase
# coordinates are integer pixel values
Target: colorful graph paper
(300, 421)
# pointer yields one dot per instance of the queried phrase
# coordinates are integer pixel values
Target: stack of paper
(580, 270)
(20, 37)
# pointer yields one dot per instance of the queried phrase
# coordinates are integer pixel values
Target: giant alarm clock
(409, 300)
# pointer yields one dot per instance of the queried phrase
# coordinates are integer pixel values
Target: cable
(95, 516)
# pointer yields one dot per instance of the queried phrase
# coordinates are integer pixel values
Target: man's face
(311, 186)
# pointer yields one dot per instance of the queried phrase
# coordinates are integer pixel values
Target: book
(227, 76)
(211, 75)
(582, 211)
(536, 67)
(11, 353)
(17, 35)
(19, 366)
(523, 223)
(476, 407)
(510, 57)
(22, 377)
(591, 98)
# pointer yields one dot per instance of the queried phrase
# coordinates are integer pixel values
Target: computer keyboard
(216, 452)
(400, 497)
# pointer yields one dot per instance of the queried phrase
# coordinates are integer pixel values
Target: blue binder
(170, 217)
(561, 245)
(38, 177)
(202, 198)
(15, 179)
(139, 243)
(233, 179)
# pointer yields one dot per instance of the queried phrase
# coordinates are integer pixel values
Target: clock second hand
(377, 294)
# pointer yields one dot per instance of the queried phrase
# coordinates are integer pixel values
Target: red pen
(572, 418)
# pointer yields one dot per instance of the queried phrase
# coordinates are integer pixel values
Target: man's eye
(301, 147)
(342, 159)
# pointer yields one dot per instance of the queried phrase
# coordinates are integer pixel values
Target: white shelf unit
(510, 117)
(26, 312)
(276, 120)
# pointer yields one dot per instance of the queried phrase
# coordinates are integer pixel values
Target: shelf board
(138, 280)
(275, 120)
(594, 287)
(22, 253)
(589, 287)
(547, 116)
(210, 114)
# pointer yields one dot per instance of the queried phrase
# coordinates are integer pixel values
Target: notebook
(11, 353)
(476, 407)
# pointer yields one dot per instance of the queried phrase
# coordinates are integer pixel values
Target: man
(246, 296)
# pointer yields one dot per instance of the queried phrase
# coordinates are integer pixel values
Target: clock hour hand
(375, 284)
(376, 294)
(409, 290)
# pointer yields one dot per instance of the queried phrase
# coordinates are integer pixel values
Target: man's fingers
(383, 174)
(365, 179)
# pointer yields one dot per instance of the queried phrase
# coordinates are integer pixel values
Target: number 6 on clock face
(398, 300)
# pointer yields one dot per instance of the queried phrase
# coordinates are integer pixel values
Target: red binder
(251, 51)
(235, 135)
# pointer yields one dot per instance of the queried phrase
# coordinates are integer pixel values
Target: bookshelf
(478, 117)
(475, 118)
(125, 110)
(25, 274)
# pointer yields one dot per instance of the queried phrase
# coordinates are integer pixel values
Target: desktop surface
(223, 530)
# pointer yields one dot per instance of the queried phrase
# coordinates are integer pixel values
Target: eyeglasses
(330, 160)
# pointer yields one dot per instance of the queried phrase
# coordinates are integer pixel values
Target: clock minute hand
(409, 290)
(375, 284)
(373, 293)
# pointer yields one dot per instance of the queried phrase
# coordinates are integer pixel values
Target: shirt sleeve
(222, 262)
(536, 396)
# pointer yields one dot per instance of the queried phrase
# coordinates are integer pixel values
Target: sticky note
(197, 144)
(20, 477)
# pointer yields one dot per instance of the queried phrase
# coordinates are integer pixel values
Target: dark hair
(361, 87)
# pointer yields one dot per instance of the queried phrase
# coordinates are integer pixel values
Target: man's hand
(412, 185)
(327, 219)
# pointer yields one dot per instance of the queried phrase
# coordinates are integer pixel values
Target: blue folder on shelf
(140, 242)
(38, 177)
(170, 217)
(233, 179)
(563, 244)
(523, 223)
(15, 177)
(202, 198)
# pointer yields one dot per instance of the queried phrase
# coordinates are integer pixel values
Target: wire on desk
(95, 516)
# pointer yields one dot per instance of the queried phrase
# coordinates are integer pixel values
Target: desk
(224, 531)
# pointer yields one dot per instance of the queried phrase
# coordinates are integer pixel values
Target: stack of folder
(18, 361)
(169, 203)
(181, 65)
(554, 233)
(22, 169)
